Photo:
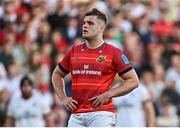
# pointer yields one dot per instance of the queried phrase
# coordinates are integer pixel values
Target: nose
(85, 25)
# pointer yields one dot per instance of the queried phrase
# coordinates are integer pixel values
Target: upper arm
(58, 71)
(121, 64)
(130, 75)
(64, 65)
(123, 67)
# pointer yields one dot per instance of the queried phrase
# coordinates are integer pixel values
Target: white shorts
(92, 119)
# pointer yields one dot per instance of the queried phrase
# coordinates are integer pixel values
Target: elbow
(53, 75)
(135, 83)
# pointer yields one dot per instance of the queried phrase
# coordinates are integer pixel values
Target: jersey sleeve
(145, 95)
(121, 63)
(64, 64)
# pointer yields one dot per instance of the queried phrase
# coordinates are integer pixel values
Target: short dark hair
(26, 78)
(99, 14)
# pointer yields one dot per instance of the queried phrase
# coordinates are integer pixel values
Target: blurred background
(35, 35)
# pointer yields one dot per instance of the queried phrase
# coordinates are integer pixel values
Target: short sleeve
(121, 63)
(64, 64)
(145, 95)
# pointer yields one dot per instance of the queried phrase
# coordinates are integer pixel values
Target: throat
(94, 44)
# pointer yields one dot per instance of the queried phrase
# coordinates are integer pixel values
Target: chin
(87, 37)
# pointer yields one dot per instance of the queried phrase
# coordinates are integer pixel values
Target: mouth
(85, 31)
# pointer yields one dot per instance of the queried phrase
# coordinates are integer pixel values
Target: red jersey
(92, 72)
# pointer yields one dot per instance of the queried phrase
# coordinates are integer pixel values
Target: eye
(90, 22)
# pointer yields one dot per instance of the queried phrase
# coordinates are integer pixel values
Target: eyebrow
(89, 22)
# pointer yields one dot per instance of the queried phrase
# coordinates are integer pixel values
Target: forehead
(90, 18)
(26, 82)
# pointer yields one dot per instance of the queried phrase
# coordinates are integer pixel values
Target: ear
(101, 29)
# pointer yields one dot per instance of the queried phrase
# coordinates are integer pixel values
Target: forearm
(150, 114)
(49, 121)
(58, 84)
(9, 122)
(126, 87)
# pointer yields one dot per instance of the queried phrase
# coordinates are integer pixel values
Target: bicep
(130, 75)
(59, 71)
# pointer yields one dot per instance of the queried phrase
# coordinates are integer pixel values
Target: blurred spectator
(123, 24)
(43, 33)
(159, 81)
(114, 6)
(154, 54)
(173, 76)
(142, 27)
(72, 30)
(113, 36)
(9, 14)
(58, 18)
(4, 99)
(6, 53)
(59, 42)
(44, 92)
(138, 103)
(134, 50)
(2, 71)
(153, 10)
(163, 27)
(12, 80)
(33, 109)
(58, 113)
(168, 111)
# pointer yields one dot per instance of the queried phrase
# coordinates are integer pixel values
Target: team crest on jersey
(101, 58)
(124, 59)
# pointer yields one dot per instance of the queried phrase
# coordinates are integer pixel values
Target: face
(92, 27)
(26, 89)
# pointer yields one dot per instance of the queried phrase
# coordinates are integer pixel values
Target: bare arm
(9, 121)
(59, 86)
(130, 82)
(58, 83)
(48, 120)
(149, 113)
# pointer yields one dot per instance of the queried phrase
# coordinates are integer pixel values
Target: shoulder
(78, 45)
(112, 48)
(15, 100)
(143, 90)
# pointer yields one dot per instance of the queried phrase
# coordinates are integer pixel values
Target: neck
(94, 43)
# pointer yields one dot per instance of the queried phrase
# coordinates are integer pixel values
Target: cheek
(96, 29)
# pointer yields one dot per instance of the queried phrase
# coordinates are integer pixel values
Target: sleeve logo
(124, 59)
